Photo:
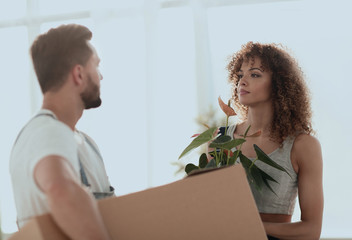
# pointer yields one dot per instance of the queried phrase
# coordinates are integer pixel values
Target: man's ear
(77, 74)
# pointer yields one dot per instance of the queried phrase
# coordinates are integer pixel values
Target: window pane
(174, 92)
(12, 9)
(108, 4)
(16, 101)
(50, 7)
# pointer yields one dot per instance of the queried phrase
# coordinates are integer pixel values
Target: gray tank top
(286, 188)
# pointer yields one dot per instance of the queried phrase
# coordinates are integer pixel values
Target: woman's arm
(306, 157)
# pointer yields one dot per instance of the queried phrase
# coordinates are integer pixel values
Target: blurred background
(164, 66)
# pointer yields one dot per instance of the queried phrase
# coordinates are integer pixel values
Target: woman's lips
(243, 92)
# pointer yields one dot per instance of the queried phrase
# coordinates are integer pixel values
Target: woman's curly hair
(290, 95)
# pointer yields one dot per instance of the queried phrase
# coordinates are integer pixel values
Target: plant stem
(244, 136)
(238, 153)
(239, 150)
(216, 157)
(221, 154)
(228, 158)
(227, 124)
(253, 162)
(226, 127)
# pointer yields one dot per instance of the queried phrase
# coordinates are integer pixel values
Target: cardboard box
(216, 204)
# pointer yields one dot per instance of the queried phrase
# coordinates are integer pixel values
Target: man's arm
(73, 208)
(307, 152)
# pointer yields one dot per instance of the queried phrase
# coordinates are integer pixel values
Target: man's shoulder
(43, 136)
(42, 128)
(46, 122)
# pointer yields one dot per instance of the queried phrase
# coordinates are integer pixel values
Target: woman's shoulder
(304, 140)
(306, 148)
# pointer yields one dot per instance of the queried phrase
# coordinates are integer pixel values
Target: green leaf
(222, 139)
(258, 180)
(267, 176)
(234, 143)
(227, 145)
(266, 159)
(203, 160)
(232, 160)
(190, 167)
(268, 185)
(211, 164)
(246, 162)
(249, 176)
(201, 139)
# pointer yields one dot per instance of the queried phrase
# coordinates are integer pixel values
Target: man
(55, 168)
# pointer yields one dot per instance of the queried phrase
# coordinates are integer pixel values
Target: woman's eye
(255, 75)
(239, 76)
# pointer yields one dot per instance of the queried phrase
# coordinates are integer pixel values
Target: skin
(254, 91)
(54, 175)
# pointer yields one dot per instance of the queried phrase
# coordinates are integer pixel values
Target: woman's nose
(243, 81)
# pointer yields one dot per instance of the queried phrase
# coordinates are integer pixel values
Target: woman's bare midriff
(277, 218)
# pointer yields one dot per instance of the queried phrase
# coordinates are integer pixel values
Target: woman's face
(254, 86)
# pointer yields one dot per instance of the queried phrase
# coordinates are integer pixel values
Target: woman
(270, 94)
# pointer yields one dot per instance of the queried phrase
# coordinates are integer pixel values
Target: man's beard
(91, 95)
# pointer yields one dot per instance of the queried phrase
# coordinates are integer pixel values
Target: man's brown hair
(56, 52)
